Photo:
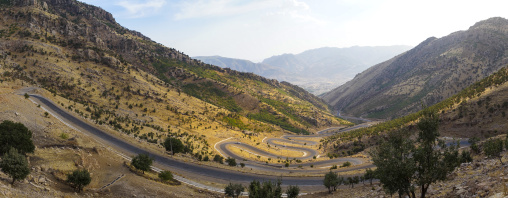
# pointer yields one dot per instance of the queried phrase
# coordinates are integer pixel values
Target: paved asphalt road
(175, 165)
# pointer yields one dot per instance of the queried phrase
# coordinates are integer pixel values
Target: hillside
(317, 70)
(429, 73)
(120, 79)
(476, 111)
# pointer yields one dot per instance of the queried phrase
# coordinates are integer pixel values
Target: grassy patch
(207, 92)
(265, 116)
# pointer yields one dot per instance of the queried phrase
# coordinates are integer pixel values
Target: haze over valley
(317, 70)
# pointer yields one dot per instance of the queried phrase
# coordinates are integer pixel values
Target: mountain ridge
(316, 70)
(435, 69)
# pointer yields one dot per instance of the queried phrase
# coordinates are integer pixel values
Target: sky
(258, 29)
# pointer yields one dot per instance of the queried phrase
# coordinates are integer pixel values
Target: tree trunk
(500, 159)
(413, 193)
(424, 191)
(13, 180)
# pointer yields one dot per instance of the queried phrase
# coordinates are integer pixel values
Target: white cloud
(140, 8)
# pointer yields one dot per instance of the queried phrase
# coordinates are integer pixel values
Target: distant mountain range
(431, 72)
(317, 70)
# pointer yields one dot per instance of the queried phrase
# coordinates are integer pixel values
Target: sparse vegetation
(78, 179)
(265, 189)
(292, 191)
(165, 175)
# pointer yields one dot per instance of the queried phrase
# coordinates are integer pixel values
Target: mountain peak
(491, 23)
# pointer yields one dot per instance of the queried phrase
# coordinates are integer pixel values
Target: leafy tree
(218, 158)
(231, 161)
(166, 175)
(27, 96)
(369, 175)
(265, 189)
(292, 191)
(402, 165)
(174, 144)
(395, 166)
(474, 146)
(465, 157)
(15, 165)
(233, 190)
(17, 136)
(346, 164)
(78, 179)
(142, 162)
(493, 148)
(331, 181)
(242, 164)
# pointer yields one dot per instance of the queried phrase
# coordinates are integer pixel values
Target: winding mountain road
(190, 170)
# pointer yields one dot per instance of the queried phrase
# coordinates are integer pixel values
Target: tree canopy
(78, 179)
(403, 163)
(165, 175)
(265, 189)
(142, 162)
(174, 144)
(233, 190)
(331, 181)
(15, 135)
(15, 165)
(292, 191)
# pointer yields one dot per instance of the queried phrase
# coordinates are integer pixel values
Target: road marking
(215, 146)
(263, 139)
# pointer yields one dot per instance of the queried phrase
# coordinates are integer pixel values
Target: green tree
(78, 179)
(401, 165)
(292, 191)
(165, 175)
(218, 158)
(331, 181)
(474, 146)
(233, 190)
(142, 162)
(231, 161)
(265, 189)
(15, 165)
(369, 175)
(27, 96)
(395, 166)
(174, 144)
(493, 148)
(17, 136)
(465, 157)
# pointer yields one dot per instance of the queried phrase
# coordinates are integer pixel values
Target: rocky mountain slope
(317, 70)
(121, 79)
(432, 71)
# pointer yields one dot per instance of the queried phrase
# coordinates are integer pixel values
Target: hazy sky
(258, 29)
